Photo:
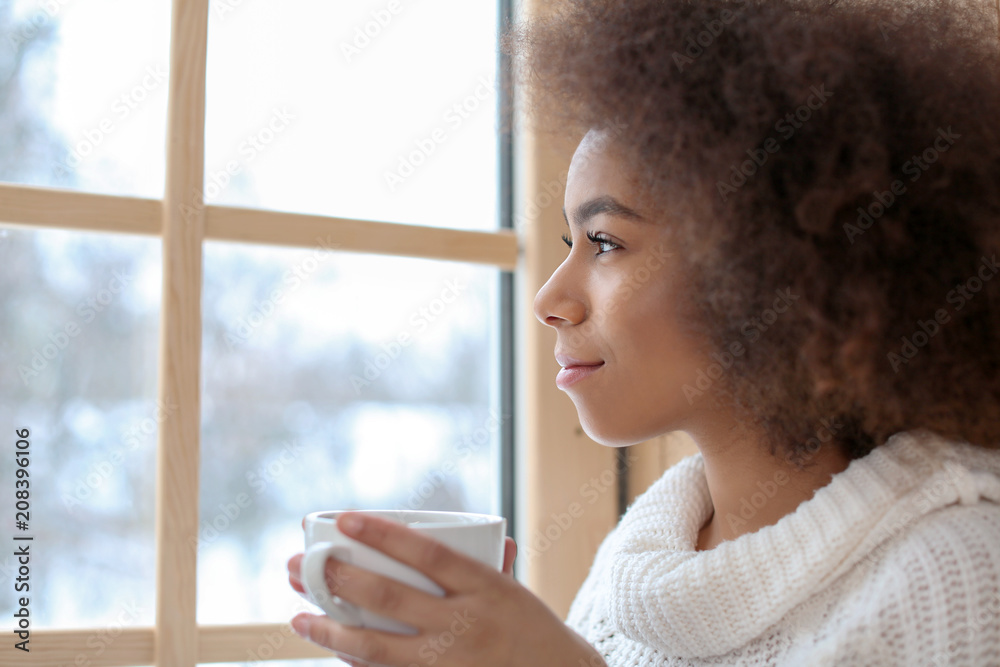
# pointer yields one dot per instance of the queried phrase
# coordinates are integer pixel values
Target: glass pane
(83, 94)
(372, 109)
(80, 316)
(334, 381)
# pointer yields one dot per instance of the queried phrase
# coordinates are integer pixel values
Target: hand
(485, 617)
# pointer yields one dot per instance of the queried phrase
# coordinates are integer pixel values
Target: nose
(560, 301)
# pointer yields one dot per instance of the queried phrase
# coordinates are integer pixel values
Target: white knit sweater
(895, 562)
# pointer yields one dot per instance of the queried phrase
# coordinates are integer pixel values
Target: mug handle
(314, 580)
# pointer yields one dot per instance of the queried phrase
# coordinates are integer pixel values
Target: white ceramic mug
(480, 536)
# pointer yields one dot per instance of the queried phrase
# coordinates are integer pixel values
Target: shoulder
(930, 595)
(956, 548)
(947, 532)
(947, 560)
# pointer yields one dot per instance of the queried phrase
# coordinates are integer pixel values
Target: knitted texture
(895, 562)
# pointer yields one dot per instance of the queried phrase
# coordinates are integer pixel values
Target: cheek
(651, 323)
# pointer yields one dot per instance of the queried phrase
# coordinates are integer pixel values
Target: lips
(567, 361)
(575, 370)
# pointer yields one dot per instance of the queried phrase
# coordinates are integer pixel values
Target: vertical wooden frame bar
(180, 341)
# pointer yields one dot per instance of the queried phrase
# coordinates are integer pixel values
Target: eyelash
(598, 240)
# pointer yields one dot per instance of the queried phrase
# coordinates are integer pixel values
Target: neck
(750, 488)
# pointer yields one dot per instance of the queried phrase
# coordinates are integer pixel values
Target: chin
(610, 435)
(624, 427)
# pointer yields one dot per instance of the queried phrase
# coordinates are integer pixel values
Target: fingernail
(350, 524)
(301, 626)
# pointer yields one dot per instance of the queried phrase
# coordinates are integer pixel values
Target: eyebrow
(598, 205)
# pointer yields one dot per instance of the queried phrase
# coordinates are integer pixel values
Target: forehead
(598, 168)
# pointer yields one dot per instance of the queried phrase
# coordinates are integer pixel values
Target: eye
(602, 242)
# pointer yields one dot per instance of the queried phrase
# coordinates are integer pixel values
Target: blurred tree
(28, 146)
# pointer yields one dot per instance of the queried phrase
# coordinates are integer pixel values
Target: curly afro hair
(848, 152)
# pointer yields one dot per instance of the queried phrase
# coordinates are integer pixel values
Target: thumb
(509, 554)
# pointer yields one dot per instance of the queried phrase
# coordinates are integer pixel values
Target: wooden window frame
(184, 223)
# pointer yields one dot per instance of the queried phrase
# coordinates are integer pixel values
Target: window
(310, 281)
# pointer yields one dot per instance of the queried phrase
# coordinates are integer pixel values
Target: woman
(783, 220)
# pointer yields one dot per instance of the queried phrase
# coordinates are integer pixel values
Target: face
(613, 303)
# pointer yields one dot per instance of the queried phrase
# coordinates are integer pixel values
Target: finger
(448, 568)
(384, 596)
(509, 554)
(295, 565)
(295, 573)
(362, 645)
(348, 660)
(297, 586)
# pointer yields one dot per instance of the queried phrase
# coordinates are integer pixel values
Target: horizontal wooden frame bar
(384, 238)
(58, 648)
(81, 211)
(104, 647)
(65, 209)
(261, 641)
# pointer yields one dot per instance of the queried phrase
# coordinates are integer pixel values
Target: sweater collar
(689, 603)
